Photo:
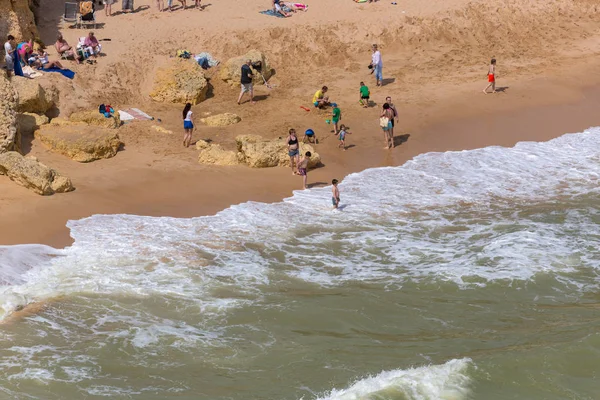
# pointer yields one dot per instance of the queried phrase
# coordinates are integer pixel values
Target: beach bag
(102, 109)
(384, 122)
(183, 54)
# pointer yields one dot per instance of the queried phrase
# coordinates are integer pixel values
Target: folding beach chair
(86, 7)
(71, 11)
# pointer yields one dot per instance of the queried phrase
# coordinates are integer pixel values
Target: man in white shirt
(9, 48)
(377, 65)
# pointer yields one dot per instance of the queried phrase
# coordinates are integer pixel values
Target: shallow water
(460, 275)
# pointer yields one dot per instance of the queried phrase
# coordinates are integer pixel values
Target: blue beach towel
(272, 13)
(65, 72)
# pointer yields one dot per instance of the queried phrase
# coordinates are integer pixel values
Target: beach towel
(211, 61)
(272, 13)
(17, 64)
(65, 72)
(132, 114)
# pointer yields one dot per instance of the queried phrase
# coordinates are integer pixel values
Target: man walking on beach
(246, 81)
(377, 64)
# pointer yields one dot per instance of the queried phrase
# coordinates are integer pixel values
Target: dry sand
(435, 55)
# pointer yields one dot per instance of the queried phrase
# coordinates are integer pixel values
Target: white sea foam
(446, 216)
(449, 381)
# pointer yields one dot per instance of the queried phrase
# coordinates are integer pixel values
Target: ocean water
(459, 275)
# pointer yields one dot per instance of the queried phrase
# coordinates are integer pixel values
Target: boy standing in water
(335, 194)
(491, 77)
(302, 168)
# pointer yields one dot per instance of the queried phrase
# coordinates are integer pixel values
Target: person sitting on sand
(310, 135)
(293, 150)
(491, 77)
(278, 9)
(43, 62)
(91, 45)
(296, 6)
(64, 49)
(319, 99)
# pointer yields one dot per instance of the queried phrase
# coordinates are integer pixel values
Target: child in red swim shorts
(491, 77)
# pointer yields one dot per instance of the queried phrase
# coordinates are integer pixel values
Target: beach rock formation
(17, 20)
(35, 95)
(221, 119)
(182, 81)
(93, 117)
(256, 152)
(33, 175)
(214, 154)
(8, 115)
(231, 69)
(160, 129)
(27, 123)
(80, 142)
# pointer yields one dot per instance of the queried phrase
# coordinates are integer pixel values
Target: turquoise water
(460, 275)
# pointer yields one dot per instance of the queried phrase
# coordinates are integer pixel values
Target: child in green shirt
(336, 117)
(364, 95)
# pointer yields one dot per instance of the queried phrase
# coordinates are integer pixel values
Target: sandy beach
(435, 60)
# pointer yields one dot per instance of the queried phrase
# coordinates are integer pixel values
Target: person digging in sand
(311, 136)
(246, 81)
(188, 124)
(293, 150)
(319, 99)
(303, 167)
(491, 77)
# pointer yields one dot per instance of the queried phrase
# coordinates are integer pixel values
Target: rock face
(160, 129)
(221, 119)
(17, 20)
(93, 117)
(182, 81)
(231, 70)
(33, 175)
(257, 152)
(8, 115)
(214, 154)
(35, 95)
(253, 151)
(80, 142)
(27, 123)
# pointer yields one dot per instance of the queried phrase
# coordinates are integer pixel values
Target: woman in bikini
(293, 150)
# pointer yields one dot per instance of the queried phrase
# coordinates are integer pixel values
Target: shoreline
(168, 192)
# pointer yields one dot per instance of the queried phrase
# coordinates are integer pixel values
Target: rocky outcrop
(27, 123)
(16, 18)
(182, 81)
(221, 119)
(93, 117)
(33, 175)
(8, 115)
(214, 154)
(160, 129)
(256, 152)
(35, 95)
(231, 70)
(80, 142)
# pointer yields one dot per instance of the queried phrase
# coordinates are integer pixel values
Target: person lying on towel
(296, 6)
(278, 8)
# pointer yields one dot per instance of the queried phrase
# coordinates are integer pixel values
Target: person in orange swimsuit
(491, 77)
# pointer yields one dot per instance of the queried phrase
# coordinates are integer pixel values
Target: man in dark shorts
(246, 81)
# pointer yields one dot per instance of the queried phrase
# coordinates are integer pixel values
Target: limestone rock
(257, 152)
(231, 70)
(160, 129)
(182, 81)
(8, 120)
(33, 175)
(35, 95)
(27, 123)
(80, 142)
(63, 121)
(221, 119)
(16, 18)
(93, 117)
(214, 154)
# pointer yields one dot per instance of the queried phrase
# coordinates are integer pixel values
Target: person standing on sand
(335, 194)
(108, 7)
(246, 81)
(491, 77)
(160, 4)
(388, 100)
(293, 150)
(385, 121)
(336, 117)
(9, 53)
(127, 6)
(188, 124)
(303, 168)
(377, 64)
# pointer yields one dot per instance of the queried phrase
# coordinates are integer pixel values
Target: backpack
(102, 109)
(183, 54)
